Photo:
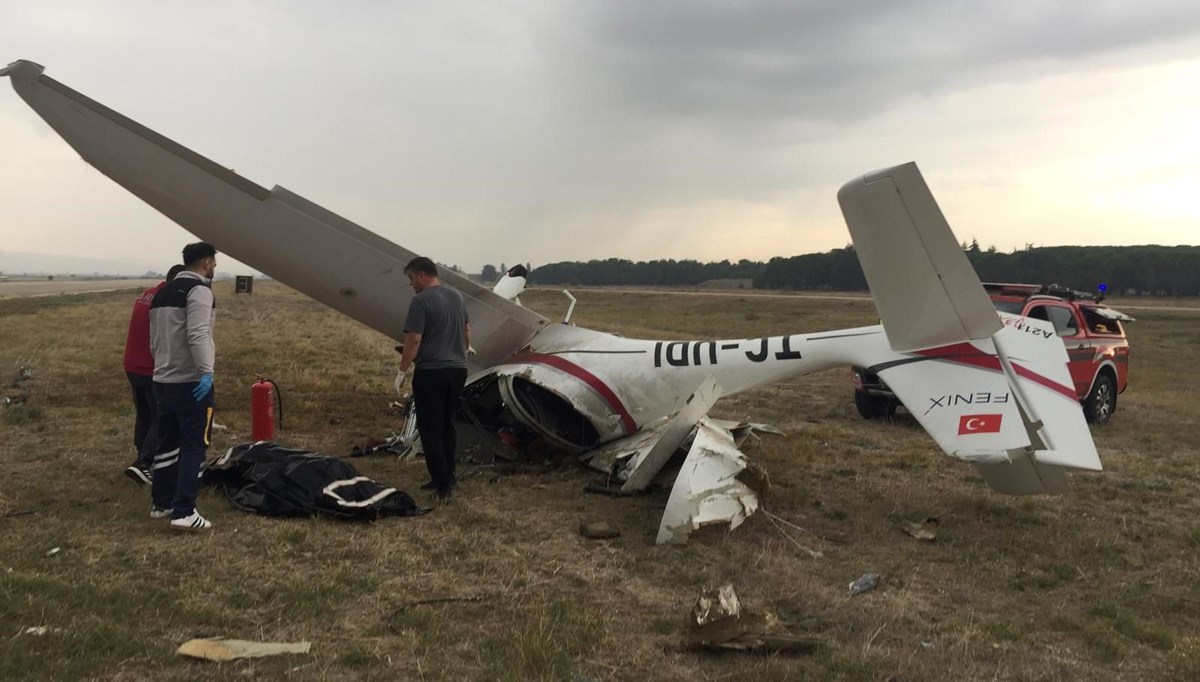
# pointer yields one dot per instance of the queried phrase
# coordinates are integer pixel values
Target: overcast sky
(522, 131)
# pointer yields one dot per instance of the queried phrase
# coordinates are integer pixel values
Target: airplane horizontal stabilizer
(1004, 404)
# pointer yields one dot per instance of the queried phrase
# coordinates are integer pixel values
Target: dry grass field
(1099, 584)
(44, 287)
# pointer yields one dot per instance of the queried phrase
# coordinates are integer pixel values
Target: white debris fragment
(718, 605)
(221, 649)
(711, 487)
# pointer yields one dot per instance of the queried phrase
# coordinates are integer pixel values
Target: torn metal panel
(676, 431)
(711, 486)
(609, 456)
(743, 430)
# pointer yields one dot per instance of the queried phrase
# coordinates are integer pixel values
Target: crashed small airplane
(626, 405)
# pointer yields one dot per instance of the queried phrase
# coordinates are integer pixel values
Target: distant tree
(488, 274)
(503, 269)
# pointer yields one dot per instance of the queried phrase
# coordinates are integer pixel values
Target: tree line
(618, 271)
(1135, 270)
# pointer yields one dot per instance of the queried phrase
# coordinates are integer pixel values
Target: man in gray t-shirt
(437, 335)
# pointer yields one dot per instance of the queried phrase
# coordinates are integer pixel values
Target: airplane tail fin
(924, 287)
(993, 392)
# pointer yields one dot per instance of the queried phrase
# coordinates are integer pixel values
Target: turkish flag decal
(979, 423)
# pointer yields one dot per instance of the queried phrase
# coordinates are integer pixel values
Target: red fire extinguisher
(264, 397)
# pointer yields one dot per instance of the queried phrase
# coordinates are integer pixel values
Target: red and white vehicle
(1097, 349)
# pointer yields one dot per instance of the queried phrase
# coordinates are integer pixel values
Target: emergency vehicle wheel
(1100, 404)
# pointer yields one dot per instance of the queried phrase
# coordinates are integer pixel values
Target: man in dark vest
(181, 339)
(437, 334)
(139, 369)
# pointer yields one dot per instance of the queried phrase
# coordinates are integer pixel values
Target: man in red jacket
(139, 368)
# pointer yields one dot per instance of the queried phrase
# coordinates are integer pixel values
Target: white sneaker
(159, 512)
(191, 524)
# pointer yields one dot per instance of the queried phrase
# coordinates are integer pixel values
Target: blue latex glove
(203, 388)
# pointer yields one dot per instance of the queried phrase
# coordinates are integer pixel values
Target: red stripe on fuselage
(586, 377)
(966, 354)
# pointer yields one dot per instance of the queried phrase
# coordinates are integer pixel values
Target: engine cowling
(556, 405)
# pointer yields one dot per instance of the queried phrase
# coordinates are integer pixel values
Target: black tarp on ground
(272, 480)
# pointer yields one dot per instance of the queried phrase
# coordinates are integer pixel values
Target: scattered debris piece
(921, 531)
(718, 623)
(221, 649)
(866, 583)
(39, 630)
(779, 522)
(22, 395)
(53, 551)
(23, 374)
(598, 530)
(716, 605)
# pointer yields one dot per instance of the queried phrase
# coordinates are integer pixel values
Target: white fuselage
(622, 384)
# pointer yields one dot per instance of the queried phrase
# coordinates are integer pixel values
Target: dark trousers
(436, 393)
(144, 437)
(184, 426)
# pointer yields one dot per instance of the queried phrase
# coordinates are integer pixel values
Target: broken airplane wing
(277, 232)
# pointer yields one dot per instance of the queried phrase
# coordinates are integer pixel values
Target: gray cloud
(524, 130)
(741, 63)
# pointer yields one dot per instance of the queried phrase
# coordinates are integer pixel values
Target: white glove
(470, 351)
(401, 383)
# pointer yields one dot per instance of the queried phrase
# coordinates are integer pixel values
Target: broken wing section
(276, 232)
(717, 484)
